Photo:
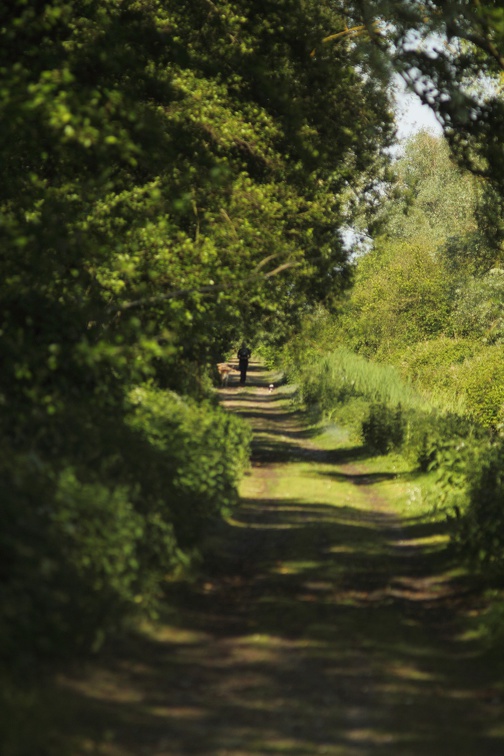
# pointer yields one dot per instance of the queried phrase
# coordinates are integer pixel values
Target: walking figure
(243, 357)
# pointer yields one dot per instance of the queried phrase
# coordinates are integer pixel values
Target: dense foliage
(174, 176)
(439, 321)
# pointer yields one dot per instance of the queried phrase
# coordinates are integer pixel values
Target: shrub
(479, 309)
(433, 435)
(384, 429)
(481, 529)
(83, 546)
(433, 365)
(482, 381)
(198, 453)
(72, 561)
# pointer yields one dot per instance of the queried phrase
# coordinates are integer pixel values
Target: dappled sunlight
(433, 541)
(422, 589)
(408, 672)
(105, 685)
(321, 623)
(176, 712)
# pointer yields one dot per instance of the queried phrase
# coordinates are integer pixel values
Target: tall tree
(163, 160)
(430, 240)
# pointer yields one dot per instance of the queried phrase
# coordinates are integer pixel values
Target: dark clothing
(243, 357)
(243, 370)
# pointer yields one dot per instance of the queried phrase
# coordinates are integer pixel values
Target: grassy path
(323, 623)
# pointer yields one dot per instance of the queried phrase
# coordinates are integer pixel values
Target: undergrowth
(464, 459)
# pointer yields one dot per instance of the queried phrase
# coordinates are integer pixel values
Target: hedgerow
(83, 547)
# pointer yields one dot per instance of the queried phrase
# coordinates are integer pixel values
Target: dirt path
(321, 624)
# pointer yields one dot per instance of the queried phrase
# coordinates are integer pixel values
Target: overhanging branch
(210, 288)
(354, 31)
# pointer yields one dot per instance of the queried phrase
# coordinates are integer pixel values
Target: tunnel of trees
(177, 175)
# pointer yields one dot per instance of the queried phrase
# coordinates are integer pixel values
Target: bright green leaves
(429, 296)
(209, 106)
(401, 295)
(189, 101)
(206, 448)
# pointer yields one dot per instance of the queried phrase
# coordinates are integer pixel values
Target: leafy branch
(210, 288)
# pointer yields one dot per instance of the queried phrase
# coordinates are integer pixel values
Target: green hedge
(472, 482)
(199, 454)
(82, 546)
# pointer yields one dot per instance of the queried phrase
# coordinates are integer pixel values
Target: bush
(481, 529)
(479, 309)
(199, 452)
(384, 429)
(72, 561)
(433, 365)
(482, 382)
(82, 546)
(433, 435)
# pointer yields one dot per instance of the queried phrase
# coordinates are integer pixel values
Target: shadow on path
(313, 628)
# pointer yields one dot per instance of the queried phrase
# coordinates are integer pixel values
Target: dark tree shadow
(309, 629)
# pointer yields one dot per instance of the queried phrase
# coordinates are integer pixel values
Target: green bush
(72, 561)
(482, 382)
(433, 365)
(481, 528)
(402, 295)
(479, 308)
(432, 435)
(199, 453)
(384, 429)
(82, 546)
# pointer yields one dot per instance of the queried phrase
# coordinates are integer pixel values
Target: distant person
(243, 357)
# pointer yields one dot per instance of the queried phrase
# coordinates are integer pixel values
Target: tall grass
(378, 406)
(343, 375)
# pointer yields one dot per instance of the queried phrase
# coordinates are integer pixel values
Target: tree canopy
(174, 176)
(163, 162)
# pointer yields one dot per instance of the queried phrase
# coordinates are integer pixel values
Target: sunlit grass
(343, 374)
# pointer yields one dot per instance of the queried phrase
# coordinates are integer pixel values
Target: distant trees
(428, 296)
